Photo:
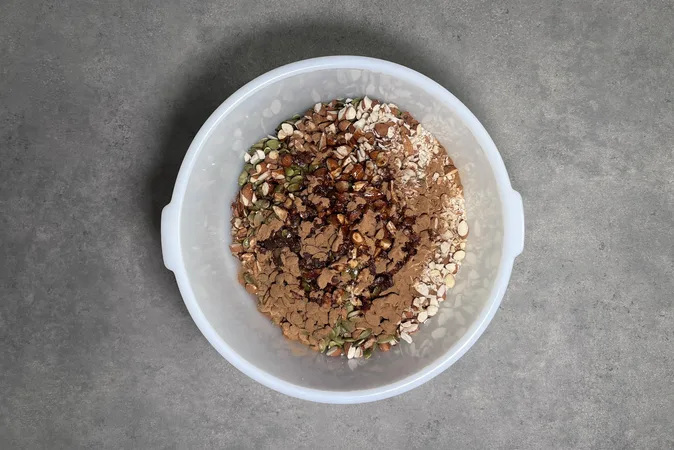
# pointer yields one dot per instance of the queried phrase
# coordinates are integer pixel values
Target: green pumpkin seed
(296, 179)
(365, 334)
(247, 167)
(349, 307)
(322, 345)
(273, 144)
(294, 187)
(246, 243)
(263, 203)
(353, 314)
(386, 340)
(243, 178)
(289, 172)
(368, 353)
(248, 278)
(348, 326)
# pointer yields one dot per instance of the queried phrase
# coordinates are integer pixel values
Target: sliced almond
(459, 255)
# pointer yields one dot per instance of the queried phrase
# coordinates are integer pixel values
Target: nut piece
(385, 243)
(357, 238)
(422, 289)
(450, 281)
(342, 151)
(359, 185)
(459, 255)
(247, 194)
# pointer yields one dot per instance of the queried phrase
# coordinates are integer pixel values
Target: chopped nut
(281, 213)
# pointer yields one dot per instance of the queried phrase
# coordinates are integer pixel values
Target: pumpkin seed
(263, 203)
(386, 340)
(294, 187)
(348, 326)
(273, 144)
(246, 243)
(248, 278)
(368, 353)
(352, 314)
(322, 345)
(289, 172)
(243, 178)
(296, 179)
(365, 334)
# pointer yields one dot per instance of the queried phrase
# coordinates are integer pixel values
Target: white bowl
(195, 232)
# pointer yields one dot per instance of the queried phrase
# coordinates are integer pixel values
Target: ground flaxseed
(349, 226)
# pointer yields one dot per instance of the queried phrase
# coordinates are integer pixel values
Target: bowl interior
(211, 270)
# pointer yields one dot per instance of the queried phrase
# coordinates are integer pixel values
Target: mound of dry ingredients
(350, 226)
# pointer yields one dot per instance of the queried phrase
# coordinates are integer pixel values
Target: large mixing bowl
(196, 232)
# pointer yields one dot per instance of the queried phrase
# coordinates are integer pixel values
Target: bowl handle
(515, 224)
(170, 241)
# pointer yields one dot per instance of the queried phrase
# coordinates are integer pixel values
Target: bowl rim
(513, 221)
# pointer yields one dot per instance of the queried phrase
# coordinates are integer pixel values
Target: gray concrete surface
(98, 102)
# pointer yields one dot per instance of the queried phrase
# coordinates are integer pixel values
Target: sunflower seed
(462, 229)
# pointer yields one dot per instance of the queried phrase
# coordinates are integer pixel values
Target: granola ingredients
(350, 226)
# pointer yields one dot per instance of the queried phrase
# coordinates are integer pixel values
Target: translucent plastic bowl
(195, 232)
